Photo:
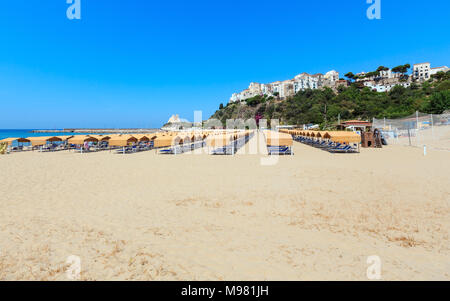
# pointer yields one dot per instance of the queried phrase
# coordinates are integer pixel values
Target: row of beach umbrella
(345, 137)
(160, 139)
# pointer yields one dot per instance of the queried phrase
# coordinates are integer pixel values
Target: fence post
(417, 128)
(432, 126)
(409, 136)
(417, 120)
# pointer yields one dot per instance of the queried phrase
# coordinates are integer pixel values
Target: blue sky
(134, 63)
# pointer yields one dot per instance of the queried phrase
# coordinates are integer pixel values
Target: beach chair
(319, 143)
(168, 151)
(46, 148)
(327, 145)
(342, 149)
(226, 150)
(279, 150)
(172, 151)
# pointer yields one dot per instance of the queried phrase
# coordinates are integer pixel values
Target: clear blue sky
(133, 63)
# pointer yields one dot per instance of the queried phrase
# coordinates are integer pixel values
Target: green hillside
(324, 106)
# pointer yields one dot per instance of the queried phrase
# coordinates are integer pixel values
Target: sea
(27, 133)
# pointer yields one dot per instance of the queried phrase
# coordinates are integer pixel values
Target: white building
(266, 89)
(385, 87)
(424, 71)
(276, 87)
(305, 81)
(383, 75)
(389, 74)
(254, 89)
(332, 76)
(287, 88)
(421, 71)
(438, 69)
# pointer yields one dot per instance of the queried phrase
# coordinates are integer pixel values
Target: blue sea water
(28, 133)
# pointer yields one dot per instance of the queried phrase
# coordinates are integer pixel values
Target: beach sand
(311, 216)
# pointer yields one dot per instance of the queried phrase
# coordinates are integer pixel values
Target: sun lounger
(279, 150)
(233, 147)
(328, 145)
(168, 151)
(319, 143)
(226, 150)
(342, 149)
(124, 150)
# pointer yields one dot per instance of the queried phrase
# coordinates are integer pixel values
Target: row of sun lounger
(131, 149)
(278, 143)
(332, 147)
(233, 147)
(183, 148)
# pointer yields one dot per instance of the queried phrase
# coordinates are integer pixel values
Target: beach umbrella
(122, 140)
(81, 139)
(38, 141)
(101, 137)
(343, 137)
(163, 141)
(9, 141)
(278, 139)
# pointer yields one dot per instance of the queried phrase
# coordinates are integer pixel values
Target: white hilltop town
(383, 81)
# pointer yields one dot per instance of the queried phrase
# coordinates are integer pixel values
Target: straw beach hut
(81, 139)
(141, 137)
(39, 141)
(122, 140)
(20, 142)
(65, 138)
(101, 138)
(278, 139)
(9, 141)
(163, 141)
(219, 140)
(343, 137)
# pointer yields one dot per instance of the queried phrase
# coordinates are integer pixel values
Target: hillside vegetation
(324, 106)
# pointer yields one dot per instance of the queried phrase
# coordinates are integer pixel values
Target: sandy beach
(311, 216)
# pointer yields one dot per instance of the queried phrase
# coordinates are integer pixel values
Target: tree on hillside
(372, 74)
(255, 100)
(382, 68)
(441, 75)
(401, 69)
(350, 76)
(221, 106)
(439, 102)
